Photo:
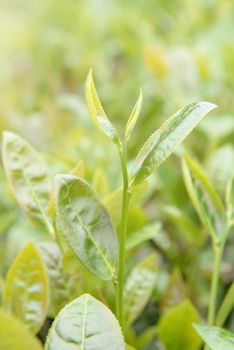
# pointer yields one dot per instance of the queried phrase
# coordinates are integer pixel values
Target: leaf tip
(208, 105)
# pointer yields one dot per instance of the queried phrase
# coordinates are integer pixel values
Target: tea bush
(105, 243)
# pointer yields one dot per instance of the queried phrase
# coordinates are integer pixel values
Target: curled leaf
(133, 117)
(97, 112)
(204, 197)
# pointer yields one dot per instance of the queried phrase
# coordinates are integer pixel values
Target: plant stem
(122, 239)
(218, 252)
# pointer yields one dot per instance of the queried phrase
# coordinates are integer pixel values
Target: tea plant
(89, 226)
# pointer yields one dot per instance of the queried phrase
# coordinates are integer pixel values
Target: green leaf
(175, 291)
(216, 338)
(146, 233)
(62, 284)
(226, 307)
(163, 141)
(79, 170)
(175, 328)
(15, 336)
(189, 231)
(133, 117)
(28, 178)
(26, 289)
(100, 183)
(97, 112)
(85, 324)
(113, 201)
(139, 286)
(86, 226)
(203, 196)
(128, 347)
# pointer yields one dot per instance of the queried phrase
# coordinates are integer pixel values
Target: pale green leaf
(204, 197)
(28, 178)
(163, 141)
(175, 328)
(79, 170)
(144, 234)
(26, 289)
(113, 201)
(15, 336)
(100, 183)
(85, 324)
(226, 307)
(139, 286)
(216, 338)
(62, 285)
(97, 112)
(133, 117)
(86, 226)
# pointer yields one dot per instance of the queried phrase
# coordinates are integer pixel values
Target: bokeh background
(177, 51)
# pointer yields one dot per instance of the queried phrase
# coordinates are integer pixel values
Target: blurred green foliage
(178, 52)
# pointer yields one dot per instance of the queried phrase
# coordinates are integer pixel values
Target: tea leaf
(146, 233)
(15, 336)
(79, 170)
(113, 201)
(26, 290)
(62, 284)
(139, 287)
(100, 183)
(203, 196)
(217, 338)
(189, 231)
(97, 112)
(85, 323)
(175, 328)
(226, 307)
(174, 292)
(86, 226)
(163, 141)
(28, 178)
(133, 117)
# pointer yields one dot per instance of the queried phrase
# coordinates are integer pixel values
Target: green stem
(218, 254)
(122, 239)
(215, 283)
